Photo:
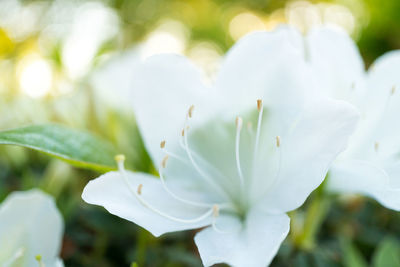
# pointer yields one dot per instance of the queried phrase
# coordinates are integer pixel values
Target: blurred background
(59, 61)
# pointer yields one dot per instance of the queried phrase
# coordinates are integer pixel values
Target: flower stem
(304, 233)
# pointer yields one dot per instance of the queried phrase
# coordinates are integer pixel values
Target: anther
(183, 132)
(259, 104)
(164, 161)
(239, 122)
(162, 144)
(376, 146)
(278, 141)
(353, 85)
(215, 209)
(139, 189)
(393, 90)
(39, 260)
(190, 111)
(120, 159)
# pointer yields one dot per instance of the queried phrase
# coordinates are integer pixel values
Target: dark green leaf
(387, 254)
(352, 257)
(78, 148)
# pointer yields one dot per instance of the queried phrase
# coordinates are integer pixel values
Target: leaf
(352, 257)
(387, 254)
(78, 148)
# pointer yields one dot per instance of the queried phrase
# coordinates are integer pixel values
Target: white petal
(113, 81)
(336, 62)
(320, 133)
(254, 244)
(164, 88)
(383, 77)
(376, 138)
(257, 65)
(362, 177)
(111, 192)
(31, 223)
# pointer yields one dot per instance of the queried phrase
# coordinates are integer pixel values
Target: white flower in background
(234, 158)
(371, 163)
(31, 230)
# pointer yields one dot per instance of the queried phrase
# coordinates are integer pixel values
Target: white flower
(236, 156)
(30, 227)
(371, 163)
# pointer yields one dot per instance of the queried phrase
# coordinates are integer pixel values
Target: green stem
(317, 210)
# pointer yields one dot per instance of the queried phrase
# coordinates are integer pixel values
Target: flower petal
(31, 224)
(336, 62)
(257, 64)
(164, 88)
(362, 177)
(320, 133)
(113, 81)
(254, 244)
(111, 191)
(376, 138)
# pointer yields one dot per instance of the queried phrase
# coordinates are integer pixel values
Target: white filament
(239, 123)
(172, 194)
(121, 169)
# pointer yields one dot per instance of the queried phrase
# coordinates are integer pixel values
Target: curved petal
(30, 224)
(254, 244)
(383, 78)
(320, 133)
(376, 138)
(111, 191)
(258, 63)
(112, 81)
(362, 177)
(382, 106)
(164, 88)
(336, 62)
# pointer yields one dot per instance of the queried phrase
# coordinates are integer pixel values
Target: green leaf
(352, 257)
(80, 149)
(387, 254)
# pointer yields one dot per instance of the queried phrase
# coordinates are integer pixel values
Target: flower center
(227, 166)
(209, 156)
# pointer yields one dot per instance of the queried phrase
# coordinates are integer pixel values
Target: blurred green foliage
(356, 232)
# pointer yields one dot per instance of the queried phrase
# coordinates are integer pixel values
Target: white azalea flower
(371, 163)
(31, 228)
(234, 158)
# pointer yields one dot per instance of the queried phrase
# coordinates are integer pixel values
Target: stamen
(137, 193)
(190, 111)
(214, 222)
(170, 154)
(376, 147)
(215, 211)
(239, 123)
(39, 260)
(353, 86)
(260, 113)
(393, 90)
(162, 144)
(164, 161)
(278, 141)
(139, 189)
(259, 105)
